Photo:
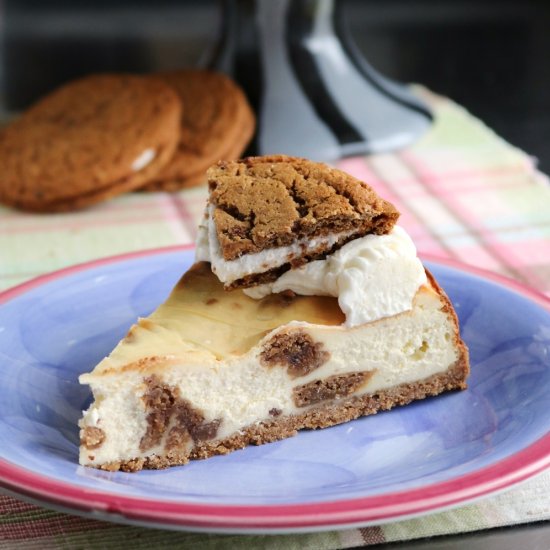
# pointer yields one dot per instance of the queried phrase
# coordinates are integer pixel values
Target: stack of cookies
(104, 135)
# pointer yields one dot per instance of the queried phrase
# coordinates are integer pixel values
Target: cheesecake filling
(373, 277)
(246, 389)
(208, 249)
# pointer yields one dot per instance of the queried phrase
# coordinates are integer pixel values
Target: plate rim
(238, 518)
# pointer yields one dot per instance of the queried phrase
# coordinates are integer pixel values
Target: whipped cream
(373, 277)
(208, 250)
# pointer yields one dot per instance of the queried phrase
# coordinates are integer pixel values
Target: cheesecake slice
(348, 328)
(212, 371)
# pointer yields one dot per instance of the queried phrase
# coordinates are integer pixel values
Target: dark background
(492, 57)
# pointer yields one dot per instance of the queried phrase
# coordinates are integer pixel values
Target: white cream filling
(208, 249)
(373, 277)
(143, 160)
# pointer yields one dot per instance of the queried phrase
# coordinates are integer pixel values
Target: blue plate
(432, 454)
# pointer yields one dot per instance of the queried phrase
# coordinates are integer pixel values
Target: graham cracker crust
(323, 416)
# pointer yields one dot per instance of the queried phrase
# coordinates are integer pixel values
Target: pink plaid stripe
(489, 242)
(411, 219)
(463, 213)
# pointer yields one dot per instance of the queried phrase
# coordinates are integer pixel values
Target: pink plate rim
(278, 517)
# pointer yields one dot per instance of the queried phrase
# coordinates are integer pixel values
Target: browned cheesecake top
(200, 316)
(270, 201)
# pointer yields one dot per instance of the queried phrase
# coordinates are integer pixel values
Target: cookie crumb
(165, 407)
(295, 350)
(92, 437)
(333, 387)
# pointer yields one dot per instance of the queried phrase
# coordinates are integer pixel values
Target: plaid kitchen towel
(464, 194)
(24, 526)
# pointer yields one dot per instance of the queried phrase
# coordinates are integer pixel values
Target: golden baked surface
(200, 316)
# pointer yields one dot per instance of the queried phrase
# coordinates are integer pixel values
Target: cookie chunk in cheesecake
(269, 214)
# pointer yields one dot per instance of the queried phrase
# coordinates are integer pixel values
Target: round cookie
(234, 152)
(216, 119)
(87, 141)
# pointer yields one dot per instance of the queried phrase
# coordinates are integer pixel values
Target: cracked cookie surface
(266, 202)
(89, 140)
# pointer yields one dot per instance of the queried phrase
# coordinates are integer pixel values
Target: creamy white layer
(373, 277)
(208, 250)
(240, 391)
(143, 160)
